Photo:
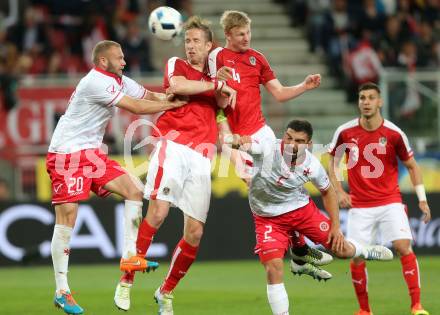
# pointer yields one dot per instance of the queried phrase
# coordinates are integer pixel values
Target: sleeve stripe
(392, 126)
(212, 62)
(145, 93)
(171, 66)
(111, 102)
(347, 125)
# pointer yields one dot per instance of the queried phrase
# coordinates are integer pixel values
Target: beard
(113, 69)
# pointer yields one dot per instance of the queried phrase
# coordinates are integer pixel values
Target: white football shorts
(182, 176)
(381, 224)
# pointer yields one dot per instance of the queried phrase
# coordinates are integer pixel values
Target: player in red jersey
(245, 69)
(77, 165)
(179, 172)
(372, 145)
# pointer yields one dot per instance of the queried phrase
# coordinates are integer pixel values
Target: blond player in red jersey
(245, 69)
(77, 165)
(179, 173)
(372, 146)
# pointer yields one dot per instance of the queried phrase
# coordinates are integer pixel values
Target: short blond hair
(100, 48)
(231, 19)
(196, 22)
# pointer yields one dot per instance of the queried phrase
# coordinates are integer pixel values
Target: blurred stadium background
(44, 50)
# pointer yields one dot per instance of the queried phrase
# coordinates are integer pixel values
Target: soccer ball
(165, 23)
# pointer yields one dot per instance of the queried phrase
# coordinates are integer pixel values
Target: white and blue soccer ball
(165, 23)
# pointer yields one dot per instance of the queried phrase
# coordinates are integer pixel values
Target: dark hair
(369, 86)
(196, 22)
(301, 125)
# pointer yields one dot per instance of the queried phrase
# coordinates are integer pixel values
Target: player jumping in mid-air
(281, 206)
(179, 173)
(245, 69)
(372, 145)
(77, 165)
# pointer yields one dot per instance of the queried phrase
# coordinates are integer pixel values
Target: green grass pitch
(230, 288)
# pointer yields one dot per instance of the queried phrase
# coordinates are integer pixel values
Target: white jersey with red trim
(278, 188)
(90, 108)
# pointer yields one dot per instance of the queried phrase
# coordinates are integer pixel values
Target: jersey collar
(109, 74)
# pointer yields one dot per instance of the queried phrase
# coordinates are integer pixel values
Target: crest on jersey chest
(253, 60)
(382, 141)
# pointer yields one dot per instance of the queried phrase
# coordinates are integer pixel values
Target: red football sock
(145, 237)
(410, 269)
(359, 278)
(127, 277)
(183, 257)
(298, 240)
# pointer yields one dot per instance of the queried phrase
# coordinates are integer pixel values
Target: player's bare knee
(402, 247)
(134, 194)
(274, 269)
(157, 213)
(194, 234)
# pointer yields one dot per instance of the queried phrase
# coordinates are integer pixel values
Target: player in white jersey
(77, 165)
(281, 206)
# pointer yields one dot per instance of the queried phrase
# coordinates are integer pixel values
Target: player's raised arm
(145, 107)
(417, 181)
(284, 93)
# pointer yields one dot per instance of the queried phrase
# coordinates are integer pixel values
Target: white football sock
(132, 219)
(278, 299)
(60, 250)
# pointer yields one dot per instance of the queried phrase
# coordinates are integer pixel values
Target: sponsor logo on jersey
(252, 60)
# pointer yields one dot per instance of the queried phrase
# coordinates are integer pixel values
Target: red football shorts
(274, 234)
(74, 175)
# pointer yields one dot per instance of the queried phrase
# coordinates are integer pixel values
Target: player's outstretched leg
(310, 255)
(136, 263)
(165, 302)
(302, 268)
(129, 266)
(377, 252)
(65, 301)
(122, 292)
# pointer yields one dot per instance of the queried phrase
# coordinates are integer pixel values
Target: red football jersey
(194, 122)
(250, 69)
(372, 164)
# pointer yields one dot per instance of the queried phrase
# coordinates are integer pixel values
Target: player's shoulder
(312, 161)
(216, 52)
(127, 79)
(354, 123)
(176, 60)
(257, 54)
(94, 80)
(392, 128)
